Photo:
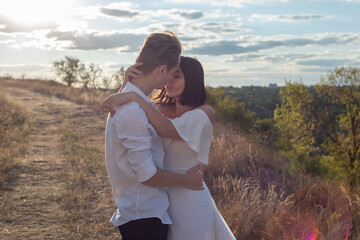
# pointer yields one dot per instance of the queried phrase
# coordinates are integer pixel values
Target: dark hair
(194, 93)
(158, 49)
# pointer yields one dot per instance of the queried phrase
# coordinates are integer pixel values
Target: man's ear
(162, 69)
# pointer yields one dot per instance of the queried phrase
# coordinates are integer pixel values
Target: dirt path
(31, 210)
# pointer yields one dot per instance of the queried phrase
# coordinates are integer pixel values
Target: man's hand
(195, 178)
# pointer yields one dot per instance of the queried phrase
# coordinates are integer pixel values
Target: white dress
(193, 213)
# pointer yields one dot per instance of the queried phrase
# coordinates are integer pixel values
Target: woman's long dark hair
(194, 93)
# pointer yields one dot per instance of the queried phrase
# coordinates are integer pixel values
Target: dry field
(59, 189)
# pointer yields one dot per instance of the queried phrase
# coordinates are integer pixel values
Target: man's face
(168, 76)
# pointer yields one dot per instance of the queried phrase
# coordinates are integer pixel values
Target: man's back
(133, 152)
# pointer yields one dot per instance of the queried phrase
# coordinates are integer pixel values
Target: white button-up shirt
(133, 152)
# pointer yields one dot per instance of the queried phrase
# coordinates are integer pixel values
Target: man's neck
(144, 83)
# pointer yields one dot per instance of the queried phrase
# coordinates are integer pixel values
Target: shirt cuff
(146, 171)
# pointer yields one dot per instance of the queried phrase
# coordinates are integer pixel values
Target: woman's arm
(162, 125)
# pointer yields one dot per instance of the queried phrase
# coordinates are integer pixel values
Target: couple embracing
(154, 148)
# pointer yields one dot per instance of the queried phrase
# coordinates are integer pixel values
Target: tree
(90, 75)
(228, 108)
(68, 70)
(294, 123)
(118, 77)
(320, 126)
(340, 95)
(106, 82)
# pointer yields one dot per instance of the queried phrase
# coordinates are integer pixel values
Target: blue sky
(239, 42)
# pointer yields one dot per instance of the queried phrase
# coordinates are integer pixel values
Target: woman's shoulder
(209, 111)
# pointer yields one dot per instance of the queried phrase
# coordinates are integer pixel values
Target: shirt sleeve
(132, 128)
(195, 128)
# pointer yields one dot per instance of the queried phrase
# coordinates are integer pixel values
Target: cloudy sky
(239, 42)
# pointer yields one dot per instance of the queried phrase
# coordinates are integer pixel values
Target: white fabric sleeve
(155, 105)
(137, 140)
(195, 128)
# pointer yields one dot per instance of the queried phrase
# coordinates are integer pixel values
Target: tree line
(316, 127)
(70, 70)
(319, 126)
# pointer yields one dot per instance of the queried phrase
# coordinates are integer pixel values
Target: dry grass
(260, 199)
(249, 181)
(90, 97)
(85, 184)
(14, 127)
(321, 211)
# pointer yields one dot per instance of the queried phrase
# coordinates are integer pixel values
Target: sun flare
(36, 11)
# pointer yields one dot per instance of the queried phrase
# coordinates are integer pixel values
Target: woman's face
(176, 86)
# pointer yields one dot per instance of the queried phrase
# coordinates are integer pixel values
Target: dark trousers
(144, 229)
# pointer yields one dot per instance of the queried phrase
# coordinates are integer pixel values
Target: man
(134, 152)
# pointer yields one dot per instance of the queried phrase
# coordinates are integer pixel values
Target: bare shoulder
(209, 112)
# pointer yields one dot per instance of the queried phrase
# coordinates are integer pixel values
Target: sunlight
(36, 11)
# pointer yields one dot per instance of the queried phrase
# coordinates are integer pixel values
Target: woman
(185, 124)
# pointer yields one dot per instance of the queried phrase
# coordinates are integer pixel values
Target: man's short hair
(159, 49)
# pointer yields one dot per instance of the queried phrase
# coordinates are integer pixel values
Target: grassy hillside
(250, 182)
(14, 128)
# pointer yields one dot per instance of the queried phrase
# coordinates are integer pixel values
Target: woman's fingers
(132, 72)
(138, 64)
(133, 69)
(196, 168)
(132, 75)
(111, 108)
(109, 104)
(104, 104)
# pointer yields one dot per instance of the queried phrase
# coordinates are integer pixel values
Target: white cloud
(315, 59)
(129, 42)
(6, 41)
(40, 71)
(69, 25)
(200, 31)
(249, 44)
(233, 3)
(188, 15)
(118, 12)
(23, 67)
(86, 12)
(329, 62)
(123, 5)
(9, 25)
(287, 18)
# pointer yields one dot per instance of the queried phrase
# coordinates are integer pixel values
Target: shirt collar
(129, 87)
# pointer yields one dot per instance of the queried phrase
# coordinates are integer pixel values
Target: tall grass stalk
(15, 126)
